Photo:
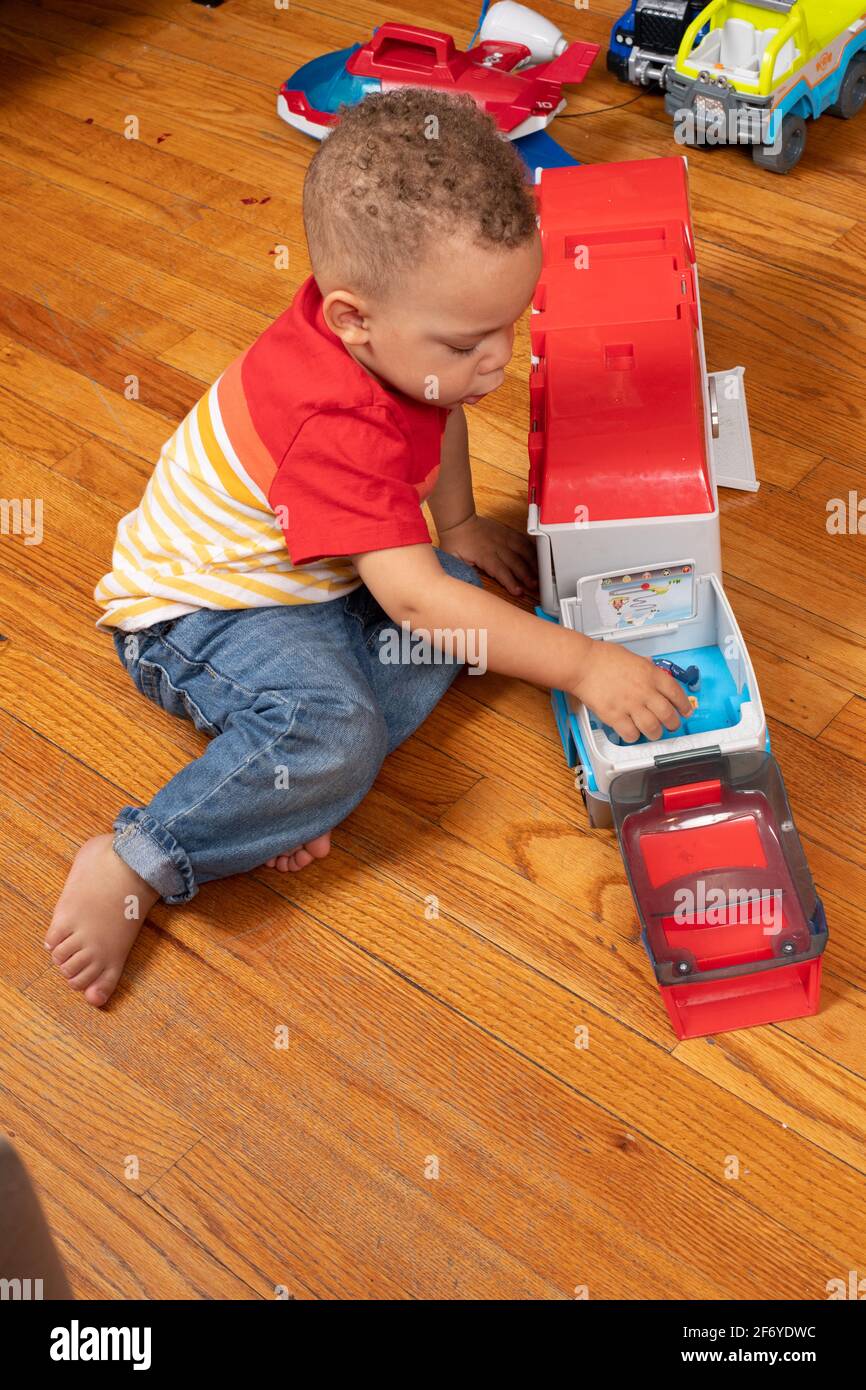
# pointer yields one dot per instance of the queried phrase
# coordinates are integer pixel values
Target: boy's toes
(74, 964)
(57, 933)
(68, 947)
(302, 856)
(86, 974)
(102, 988)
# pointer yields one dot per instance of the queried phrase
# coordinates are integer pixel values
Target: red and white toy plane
(506, 76)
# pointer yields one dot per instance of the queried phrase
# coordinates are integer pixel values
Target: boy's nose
(502, 352)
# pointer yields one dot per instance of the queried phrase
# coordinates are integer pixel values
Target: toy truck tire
(618, 66)
(852, 94)
(781, 158)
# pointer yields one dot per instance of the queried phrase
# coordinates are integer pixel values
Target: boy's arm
(452, 502)
(507, 556)
(626, 691)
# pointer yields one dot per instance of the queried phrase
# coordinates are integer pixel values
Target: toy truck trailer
(755, 73)
(629, 439)
(646, 39)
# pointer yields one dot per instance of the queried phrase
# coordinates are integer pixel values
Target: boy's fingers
(500, 571)
(648, 724)
(664, 710)
(674, 692)
(525, 546)
(627, 729)
(522, 570)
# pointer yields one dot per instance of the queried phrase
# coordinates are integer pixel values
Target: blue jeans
(300, 712)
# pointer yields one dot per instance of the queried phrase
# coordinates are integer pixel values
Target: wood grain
(432, 973)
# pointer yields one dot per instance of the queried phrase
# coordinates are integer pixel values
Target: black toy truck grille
(659, 31)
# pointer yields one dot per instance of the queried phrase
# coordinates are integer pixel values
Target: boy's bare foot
(97, 918)
(302, 856)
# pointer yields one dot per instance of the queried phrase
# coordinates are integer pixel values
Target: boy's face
(448, 336)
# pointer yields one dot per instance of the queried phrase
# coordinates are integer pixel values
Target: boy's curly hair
(402, 171)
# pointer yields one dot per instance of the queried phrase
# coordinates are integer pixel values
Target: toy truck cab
(754, 73)
(646, 39)
(728, 911)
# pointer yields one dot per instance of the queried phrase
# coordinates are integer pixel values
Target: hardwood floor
(179, 1152)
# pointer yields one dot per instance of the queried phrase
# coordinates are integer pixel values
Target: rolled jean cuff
(154, 854)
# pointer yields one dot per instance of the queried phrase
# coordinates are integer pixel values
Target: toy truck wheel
(618, 66)
(852, 93)
(781, 157)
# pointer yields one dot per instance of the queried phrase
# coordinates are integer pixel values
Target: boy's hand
(629, 693)
(507, 556)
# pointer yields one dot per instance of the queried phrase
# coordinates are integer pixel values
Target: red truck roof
(617, 399)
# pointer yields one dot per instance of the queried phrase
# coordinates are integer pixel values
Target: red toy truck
(630, 438)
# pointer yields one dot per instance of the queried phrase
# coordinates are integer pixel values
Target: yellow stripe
(297, 576)
(184, 515)
(190, 587)
(265, 527)
(188, 590)
(259, 572)
(178, 570)
(231, 480)
(121, 550)
(200, 548)
(144, 605)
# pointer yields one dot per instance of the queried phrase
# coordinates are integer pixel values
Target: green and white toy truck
(763, 69)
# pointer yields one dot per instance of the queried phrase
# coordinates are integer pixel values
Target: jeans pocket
(154, 681)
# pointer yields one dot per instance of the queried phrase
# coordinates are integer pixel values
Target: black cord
(578, 115)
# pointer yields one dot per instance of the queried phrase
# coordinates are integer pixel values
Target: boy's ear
(346, 316)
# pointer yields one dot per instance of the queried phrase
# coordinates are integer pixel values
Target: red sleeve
(344, 486)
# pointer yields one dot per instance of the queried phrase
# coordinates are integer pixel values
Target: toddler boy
(280, 540)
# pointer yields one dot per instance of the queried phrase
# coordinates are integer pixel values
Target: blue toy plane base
(541, 151)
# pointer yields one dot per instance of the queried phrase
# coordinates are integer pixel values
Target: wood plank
(847, 732)
(410, 1035)
(784, 1078)
(228, 1058)
(112, 1243)
(191, 994)
(252, 1225)
(95, 1106)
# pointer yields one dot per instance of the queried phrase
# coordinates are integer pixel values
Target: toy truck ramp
(629, 439)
